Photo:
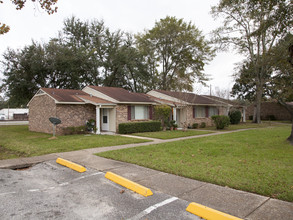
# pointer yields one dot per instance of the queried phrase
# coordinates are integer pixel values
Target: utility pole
(210, 90)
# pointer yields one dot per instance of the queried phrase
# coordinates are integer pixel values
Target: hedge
(136, 127)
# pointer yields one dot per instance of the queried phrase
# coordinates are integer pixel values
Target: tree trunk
(254, 114)
(290, 138)
(290, 110)
(258, 104)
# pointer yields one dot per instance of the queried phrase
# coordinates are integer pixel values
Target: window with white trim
(139, 112)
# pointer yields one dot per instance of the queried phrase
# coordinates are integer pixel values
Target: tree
(253, 27)
(47, 5)
(175, 52)
(222, 92)
(280, 86)
(162, 113)
(25, 73)
(84, 53)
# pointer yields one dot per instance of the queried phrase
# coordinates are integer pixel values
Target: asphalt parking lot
(51, 191)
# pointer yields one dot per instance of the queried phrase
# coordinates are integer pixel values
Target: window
(139, 112)
(199, 112)
(213, 111)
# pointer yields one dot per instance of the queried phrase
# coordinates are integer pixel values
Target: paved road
(51, 191)
(13, 123)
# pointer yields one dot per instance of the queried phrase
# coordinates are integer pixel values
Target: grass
(18, 141)
(245, 125)
(258, 160)
(171, 134)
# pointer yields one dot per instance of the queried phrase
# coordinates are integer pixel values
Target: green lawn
(245, 125)
(18, 141)
(258, 160)
(171, 134)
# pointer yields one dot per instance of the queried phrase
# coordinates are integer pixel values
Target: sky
(32, 23)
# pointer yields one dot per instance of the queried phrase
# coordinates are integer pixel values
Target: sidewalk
(235, 202)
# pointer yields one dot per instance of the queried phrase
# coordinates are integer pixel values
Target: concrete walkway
(235, 202)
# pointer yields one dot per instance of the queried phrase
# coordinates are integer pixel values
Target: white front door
(105, 119)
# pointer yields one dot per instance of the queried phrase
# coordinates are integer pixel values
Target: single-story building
(110, 106)
(234, 104)
(271, 110)
(189, 108)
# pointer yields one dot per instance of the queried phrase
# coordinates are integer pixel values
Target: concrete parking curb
(208, 213)
(129, 184)
(71, 165)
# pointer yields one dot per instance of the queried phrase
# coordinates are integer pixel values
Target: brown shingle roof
(230, 102)
(94, 99)
(122, 95)
(190, 97)
(64, 95)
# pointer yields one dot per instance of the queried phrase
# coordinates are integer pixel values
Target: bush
(235, 116)
(162, 113)
(250, 117)
(91, 125)
(202, 125)
(221, 121)
(195, 125)
(134, 127)
(172, 123)
(74, 130)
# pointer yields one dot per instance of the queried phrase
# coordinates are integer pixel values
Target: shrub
(91, 125)
(162, 113)
(74, 130)
(202, 125)
(195, 125)
(172, 123)
(133, 127)
(235, 116)
(221, 121)
(250, 117)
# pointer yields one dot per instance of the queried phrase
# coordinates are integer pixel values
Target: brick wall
(270, 108)
(121, 115)
(41, 108)
(74, 115)
(192, 120)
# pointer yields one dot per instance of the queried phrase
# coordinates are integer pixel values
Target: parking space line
(7, 193)
(153, 207)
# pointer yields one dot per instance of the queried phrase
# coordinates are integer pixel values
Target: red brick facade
(270, 108)
(42, 107)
